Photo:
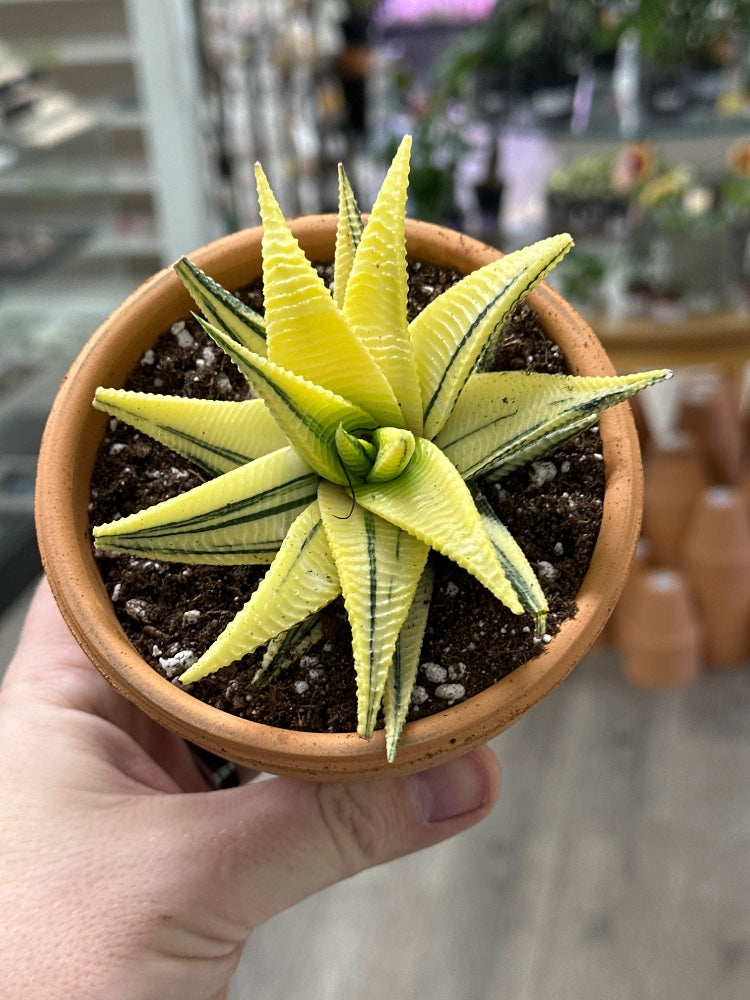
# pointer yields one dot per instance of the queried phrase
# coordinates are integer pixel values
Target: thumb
(285, 839)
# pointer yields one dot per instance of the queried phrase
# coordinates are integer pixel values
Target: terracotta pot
(717, 567)
(661, 637)
(68, 451)
(710, 415)
(674, 479)
(640, 566)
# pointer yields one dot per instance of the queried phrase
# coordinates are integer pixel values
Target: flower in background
(738, 158)
(634, 164)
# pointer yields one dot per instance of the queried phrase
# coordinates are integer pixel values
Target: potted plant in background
(375, 442)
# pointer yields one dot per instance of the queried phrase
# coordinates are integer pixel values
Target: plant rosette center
(376, 456)
(364, 447)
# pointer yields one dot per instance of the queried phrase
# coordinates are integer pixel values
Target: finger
(49, 670)
(281, 840)
(48, 659)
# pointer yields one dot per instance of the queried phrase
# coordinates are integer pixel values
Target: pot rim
(74, 430)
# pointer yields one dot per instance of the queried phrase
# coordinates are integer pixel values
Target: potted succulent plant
(364, 448)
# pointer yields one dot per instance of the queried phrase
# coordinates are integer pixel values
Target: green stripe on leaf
(348, 236)
(431, 501)
(308, 414)
(379, 567)
(452, 332)
(403, 672)
(306, 330)
(239, 517)
(218, 435)
(515, 565)
(300, 581)
(286, 648)
(376, 292)
(505, 419)
(223, 309)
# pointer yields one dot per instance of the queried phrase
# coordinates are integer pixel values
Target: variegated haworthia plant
(362, 447)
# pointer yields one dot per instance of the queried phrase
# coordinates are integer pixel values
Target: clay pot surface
(717, 567)
(711, 417)
(618, 624)
(674, 479)
(72, 436)
(660, 637)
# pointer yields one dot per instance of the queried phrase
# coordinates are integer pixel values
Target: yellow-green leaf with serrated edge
(403, 672)
(223, 309)
(301, 580)
(379, 568)
(218, 435)
(308, 414)
(376, 292)
(239, 517)
(349, 228)
(287, 647)
(394, 447)
(450, 334)
(515, 564)
(504, 419)
(305, 330)
(431, 501)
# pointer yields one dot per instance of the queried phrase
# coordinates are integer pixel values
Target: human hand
(123, 877)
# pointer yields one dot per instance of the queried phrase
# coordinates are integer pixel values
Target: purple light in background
(410, 11)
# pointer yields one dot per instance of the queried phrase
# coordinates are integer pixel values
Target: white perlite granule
(545, 570)
(450, 692)
(178, 663)
(136, 608)
(185, 339)
(419, 695)
(542, 472)
(435, 673)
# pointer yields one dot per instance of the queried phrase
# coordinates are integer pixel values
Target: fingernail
(450, 790)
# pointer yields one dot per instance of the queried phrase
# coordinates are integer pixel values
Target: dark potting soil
(172, 612)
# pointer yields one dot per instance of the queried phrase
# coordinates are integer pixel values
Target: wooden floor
(616, 867)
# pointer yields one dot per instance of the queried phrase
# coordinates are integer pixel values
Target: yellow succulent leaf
(239, 517)
(286, 647)
(301, 580)
(218, 435)
(515, 564)
(305, 330)
(222, 308)
(504, 419)
(348, 235)
(431, 501)
(308, 414)
(403, 672)
(376, 292)
(451, 334)
(394, 447)
(379, 567)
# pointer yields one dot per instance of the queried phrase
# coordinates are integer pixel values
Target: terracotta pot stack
(687, 602)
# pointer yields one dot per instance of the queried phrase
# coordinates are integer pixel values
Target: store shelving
(89, 208)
